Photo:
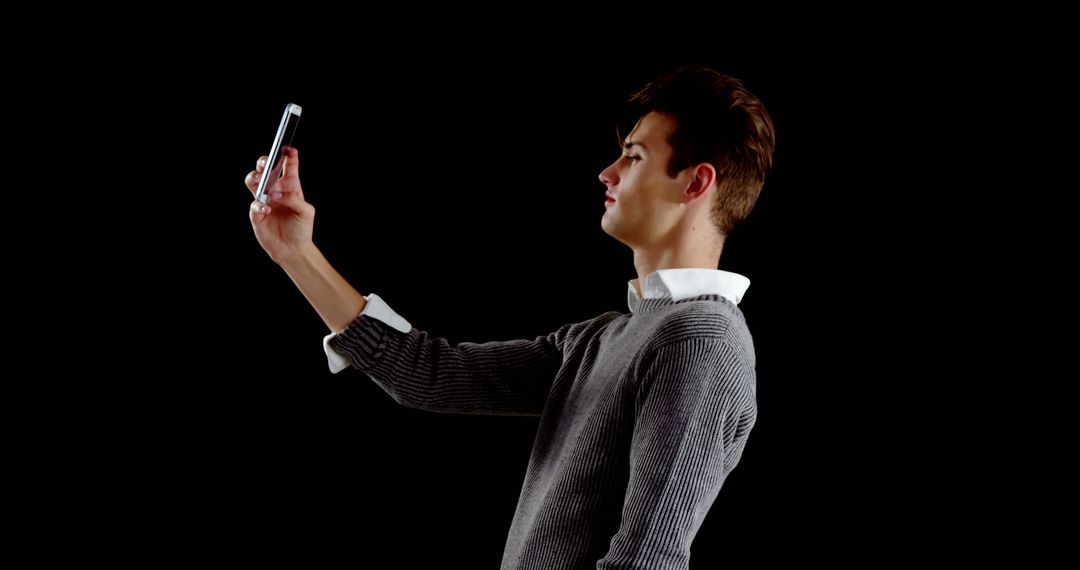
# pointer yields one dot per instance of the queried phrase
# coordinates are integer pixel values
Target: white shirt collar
(679, 284)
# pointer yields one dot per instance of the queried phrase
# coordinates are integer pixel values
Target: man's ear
(702, 177)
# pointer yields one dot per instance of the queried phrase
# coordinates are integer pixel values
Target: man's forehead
(651, 130)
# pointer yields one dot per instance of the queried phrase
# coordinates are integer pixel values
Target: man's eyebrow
(627, 145)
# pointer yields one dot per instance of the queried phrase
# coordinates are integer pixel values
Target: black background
(168, 393)
(461, 186)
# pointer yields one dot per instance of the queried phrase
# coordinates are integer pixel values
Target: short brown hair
(717, 121)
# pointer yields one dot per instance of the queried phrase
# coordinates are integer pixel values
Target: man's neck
(647, 261)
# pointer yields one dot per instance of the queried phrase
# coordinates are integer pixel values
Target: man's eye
(632, 157)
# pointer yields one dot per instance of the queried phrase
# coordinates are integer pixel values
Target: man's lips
(609, 197)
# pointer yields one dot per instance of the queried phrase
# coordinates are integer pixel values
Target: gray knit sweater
(642, 417)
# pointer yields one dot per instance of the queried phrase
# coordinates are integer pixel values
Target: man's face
(643, 202)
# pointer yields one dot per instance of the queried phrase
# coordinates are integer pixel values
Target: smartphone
(276, 159)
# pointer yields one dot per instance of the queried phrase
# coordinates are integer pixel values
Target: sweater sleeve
(695, 407)
(420, 371)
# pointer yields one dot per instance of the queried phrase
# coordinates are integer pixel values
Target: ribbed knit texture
(642, 417)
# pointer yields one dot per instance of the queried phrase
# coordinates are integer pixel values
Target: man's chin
(605, 225)
(610, 229)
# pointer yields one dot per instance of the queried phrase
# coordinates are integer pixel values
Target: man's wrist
(301, 258)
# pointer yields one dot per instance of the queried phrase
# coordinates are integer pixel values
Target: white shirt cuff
(377, 309)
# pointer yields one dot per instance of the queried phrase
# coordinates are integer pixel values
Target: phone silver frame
(291, 110)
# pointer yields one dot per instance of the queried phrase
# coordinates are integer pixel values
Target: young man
(642, 414)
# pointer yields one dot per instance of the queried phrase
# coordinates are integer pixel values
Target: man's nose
(607, 176)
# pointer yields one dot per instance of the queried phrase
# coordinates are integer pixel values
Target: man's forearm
(337, 302)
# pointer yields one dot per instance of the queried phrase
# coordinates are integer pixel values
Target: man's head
(696, 156)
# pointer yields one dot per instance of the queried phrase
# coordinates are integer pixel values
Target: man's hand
(284, 226)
